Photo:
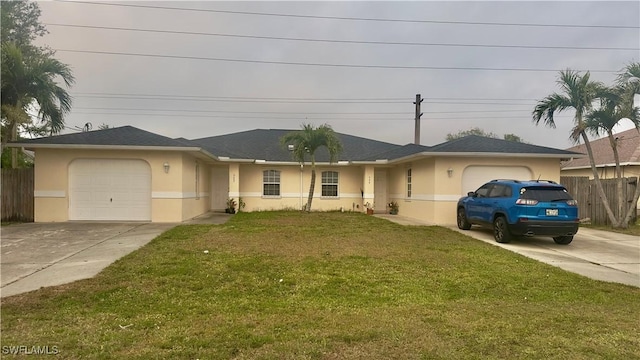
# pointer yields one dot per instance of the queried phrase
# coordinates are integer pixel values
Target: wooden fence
(17, 194)
(589, 203)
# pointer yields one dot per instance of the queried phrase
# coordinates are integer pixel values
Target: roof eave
(502, 154)
(29, 146)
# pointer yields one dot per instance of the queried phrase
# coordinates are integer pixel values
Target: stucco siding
(195, 187)
(294, 188)
(167, 192)
(435, 193)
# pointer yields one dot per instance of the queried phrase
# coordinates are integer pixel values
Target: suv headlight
(572, 203)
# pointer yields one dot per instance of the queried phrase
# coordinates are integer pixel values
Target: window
(484, 190)
(500, 190)
(329, 183)
(271, 183)
(408, 183)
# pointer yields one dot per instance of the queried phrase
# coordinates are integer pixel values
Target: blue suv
(516, 208)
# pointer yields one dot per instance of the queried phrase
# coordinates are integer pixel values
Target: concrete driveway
(599, 255)
(35, 255)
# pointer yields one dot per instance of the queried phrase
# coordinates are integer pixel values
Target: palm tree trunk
(596, 178)
(312, 186)
(619, 192)
(634, 202)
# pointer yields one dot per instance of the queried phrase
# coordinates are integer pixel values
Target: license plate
(552, 212)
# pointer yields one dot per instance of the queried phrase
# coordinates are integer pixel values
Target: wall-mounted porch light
(450, 172)
(166, 167)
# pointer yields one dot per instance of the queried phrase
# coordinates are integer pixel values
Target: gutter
(114, 147)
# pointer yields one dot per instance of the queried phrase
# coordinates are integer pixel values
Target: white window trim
(271, 183)
(337, 185)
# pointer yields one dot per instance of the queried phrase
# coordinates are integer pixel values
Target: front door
(219, 187)
(380, 190)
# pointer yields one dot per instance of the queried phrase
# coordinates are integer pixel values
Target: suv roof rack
(515, 181)
(544, 181)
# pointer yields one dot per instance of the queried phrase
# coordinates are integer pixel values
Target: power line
(294, 112)
(403, 99)
(363, 66)
(313, 118)
(354, 18)
(245, 112)
(344, 41)
(188, 97)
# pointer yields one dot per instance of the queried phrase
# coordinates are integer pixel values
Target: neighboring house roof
(262, 144)
(628, 151)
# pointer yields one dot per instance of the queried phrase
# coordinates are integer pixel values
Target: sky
(195, 69)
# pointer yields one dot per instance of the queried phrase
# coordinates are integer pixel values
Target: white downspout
(301, 185)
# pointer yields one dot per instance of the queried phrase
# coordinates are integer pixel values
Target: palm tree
(613, 108)
(629, 82)
(579, 92)
(306, 142)
(29, 81)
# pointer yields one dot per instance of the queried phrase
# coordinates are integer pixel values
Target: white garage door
(106, 189)
(474, 176)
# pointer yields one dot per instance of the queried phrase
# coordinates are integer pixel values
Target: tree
(306, 142)
(29, 81)
(20, 24)
(579, 92)
(613, 108)
(512, 137)
(28, 76)
(480, 132)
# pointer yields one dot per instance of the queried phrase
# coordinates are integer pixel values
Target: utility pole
(418, 115)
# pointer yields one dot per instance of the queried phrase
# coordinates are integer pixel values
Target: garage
(110, 189)
(475, 175)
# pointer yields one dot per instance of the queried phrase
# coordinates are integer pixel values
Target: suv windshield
(544, 194)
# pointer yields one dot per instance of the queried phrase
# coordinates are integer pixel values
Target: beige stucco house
(128, 174)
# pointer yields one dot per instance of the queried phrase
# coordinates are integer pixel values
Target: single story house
(129, 174)
(628, 143)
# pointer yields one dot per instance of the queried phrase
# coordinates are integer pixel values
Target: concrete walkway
(599, 255)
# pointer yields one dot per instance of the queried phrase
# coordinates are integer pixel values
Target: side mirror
(471, 194)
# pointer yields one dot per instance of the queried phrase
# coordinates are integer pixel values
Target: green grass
(290, 285)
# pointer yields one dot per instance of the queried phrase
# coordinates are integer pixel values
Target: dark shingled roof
(265, 145)
(119, 136)
(475, 143)
(399, 152)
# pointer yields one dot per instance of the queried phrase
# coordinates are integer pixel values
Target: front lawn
(290, 285)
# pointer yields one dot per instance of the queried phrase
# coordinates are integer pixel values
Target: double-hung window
(271, 183)
(330, 183)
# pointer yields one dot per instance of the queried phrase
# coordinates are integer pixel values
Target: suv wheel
(500, 230)
(563, 240)
(463, 223)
